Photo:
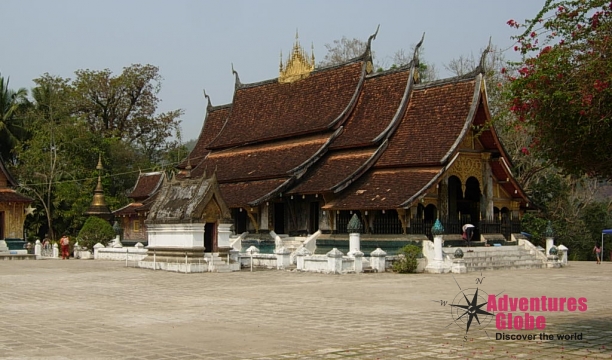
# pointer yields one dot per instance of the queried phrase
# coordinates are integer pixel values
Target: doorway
(210, 234)
(279, 218)
(313, 225)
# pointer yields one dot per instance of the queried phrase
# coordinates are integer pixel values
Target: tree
(95, 230)
(343, 50)
(427, 71)
(562, 88)
(10, 127)
(51, 159)
(125, 106)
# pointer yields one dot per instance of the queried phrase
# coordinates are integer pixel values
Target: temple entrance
(240, 220)
(1, 225)
(313, 224)
(279, 218)
(210, 235)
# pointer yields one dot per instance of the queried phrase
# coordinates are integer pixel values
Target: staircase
(217, 263)
(499, 258)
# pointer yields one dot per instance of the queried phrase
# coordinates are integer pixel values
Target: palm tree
(10, 129)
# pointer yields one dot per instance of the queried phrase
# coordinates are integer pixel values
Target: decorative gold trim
(298, 66)
(465, 167)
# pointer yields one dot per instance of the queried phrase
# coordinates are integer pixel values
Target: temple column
(443, 199)
(486, 204)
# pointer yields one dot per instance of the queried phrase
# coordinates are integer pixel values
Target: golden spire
(298, 66)
(98, 205)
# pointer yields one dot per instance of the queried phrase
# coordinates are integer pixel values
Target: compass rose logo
(467, 307)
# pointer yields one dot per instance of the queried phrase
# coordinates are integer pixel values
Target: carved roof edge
(9, 176)
(399, 113)
(406, 204)
(362, 169)
(301, 169)
(279, 189)
(468, 121)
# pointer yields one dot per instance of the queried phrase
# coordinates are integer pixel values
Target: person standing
(597, 251)
(65, 247)
(468, 233)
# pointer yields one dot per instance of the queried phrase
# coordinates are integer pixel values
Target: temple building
(131, 217)
(14, 207)
(305, 151)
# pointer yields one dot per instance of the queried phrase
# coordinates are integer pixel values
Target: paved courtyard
(80, 309)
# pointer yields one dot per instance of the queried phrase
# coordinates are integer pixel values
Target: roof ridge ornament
(238, 83)
(483, 57)
(207, 98)
(298, 65)
(415, 60)
(367, 54)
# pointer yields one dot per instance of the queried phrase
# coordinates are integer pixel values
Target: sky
(195, 42)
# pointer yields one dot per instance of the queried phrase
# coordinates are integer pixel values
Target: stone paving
(86, 309)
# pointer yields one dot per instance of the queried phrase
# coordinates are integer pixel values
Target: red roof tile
(146, 185)
(378, 102)
(215, 118)
(331, 170)
(434, 120)
(383, 189)
(262, 161)
(272, 110)
(128, 210)
(241, 193)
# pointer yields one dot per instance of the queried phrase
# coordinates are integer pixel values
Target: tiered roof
(143, 194)
(374, 141)
(8, 185)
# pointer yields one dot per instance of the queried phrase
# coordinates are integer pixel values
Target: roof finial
(415, 56)
(207, 98)
(483, 57)
(372, 37)
(238, 83)
(99, 166)
(299, 64)
(312, 53)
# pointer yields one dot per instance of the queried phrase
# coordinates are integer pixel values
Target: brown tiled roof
(331, 170)
(146, 185)
(10, 195)
(9, 178)
(129, 209)
(241, 193)
(262, 161)
(384, 189)
(213, 124)
(433, 122)
(378, 102)
(272, 110)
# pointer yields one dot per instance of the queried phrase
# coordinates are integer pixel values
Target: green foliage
(95, 230)
(407, 262)
(578, 232)
(11, 127)
(562, 90)
(70, 123)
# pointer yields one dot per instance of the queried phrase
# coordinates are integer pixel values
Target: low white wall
(348, 264)
(133, 254)
(259, 260)
(176, 267)
(316, 263)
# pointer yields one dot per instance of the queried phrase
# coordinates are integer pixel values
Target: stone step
(502, 267)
